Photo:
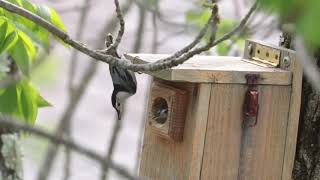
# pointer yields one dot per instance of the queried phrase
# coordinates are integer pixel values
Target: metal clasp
(251, 104)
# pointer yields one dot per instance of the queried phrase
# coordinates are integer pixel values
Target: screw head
(286, 61)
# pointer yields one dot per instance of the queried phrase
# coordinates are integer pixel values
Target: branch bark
(124, 63)
(58, 139)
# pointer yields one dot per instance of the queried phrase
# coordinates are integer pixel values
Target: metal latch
(251, 104)
(262, 55)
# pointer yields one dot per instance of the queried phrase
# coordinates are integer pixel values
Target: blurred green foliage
(199, 17)
(303, 14)
(21, 40)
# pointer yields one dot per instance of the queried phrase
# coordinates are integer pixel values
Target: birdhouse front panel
(223, 118)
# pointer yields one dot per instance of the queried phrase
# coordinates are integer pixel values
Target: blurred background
(152, 26)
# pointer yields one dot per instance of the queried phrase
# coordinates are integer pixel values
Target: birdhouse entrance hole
(160, 110)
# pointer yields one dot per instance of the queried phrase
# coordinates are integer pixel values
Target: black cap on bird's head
(116, 104)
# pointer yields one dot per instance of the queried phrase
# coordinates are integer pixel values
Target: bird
(124, 86)
(124, 81)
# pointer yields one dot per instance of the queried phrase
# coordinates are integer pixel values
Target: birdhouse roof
(214, 69)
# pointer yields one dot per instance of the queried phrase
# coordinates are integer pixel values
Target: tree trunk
(307, 160)
(10, 156)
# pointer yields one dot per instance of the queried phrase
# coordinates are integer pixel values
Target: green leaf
(42, 102)
(31, 100)
(28, 102)
(23, 53)
(51, 15)
(56, 20)
(26, 4)
(44, 12)
(22, 101)
(16, 2)
(28, 44)
(3, 32)
(9, 42)
(9, 99)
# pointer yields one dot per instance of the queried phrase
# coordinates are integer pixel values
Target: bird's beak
(119, 115)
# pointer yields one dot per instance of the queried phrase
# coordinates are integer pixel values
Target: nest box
(224, 118)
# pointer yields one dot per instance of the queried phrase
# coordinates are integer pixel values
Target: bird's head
(118, 100)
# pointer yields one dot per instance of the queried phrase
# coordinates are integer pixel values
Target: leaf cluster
(21, 40)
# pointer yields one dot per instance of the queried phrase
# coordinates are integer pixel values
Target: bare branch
(124, 63)
(192, 44)
(121, 22)
(59, 139)
(209, 45)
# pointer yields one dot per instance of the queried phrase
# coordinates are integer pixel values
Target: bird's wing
(124, 78)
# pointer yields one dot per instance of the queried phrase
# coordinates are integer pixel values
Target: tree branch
(58, 139)
(124, 63)
(121, 22)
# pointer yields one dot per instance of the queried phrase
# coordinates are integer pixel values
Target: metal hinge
(262, 54)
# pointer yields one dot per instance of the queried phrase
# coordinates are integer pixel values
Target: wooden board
(293, 121)
(214, 69)
(162, 159)
(261, 157)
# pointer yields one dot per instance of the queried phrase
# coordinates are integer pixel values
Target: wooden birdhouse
(223, 118)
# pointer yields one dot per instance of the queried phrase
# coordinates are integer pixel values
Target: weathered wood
(293, 121)
(202, 104)
(215, 69)
(163, 159)
(222, 141)
(217, 144)
(262, 155)
(170, 125)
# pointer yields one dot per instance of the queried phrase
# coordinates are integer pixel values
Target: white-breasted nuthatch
(124, 81)
(125, 85)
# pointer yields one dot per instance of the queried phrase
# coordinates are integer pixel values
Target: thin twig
(58, 139)
(122, 24)
(196, 41)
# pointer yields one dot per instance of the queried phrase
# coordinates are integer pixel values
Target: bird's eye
(118, 104)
